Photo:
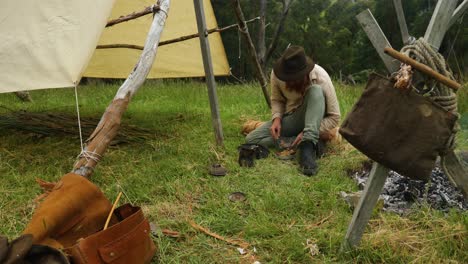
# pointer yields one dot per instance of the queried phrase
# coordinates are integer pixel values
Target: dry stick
(213, 30)
(170, 41)
(319, 223)
(251, 48)
(170, 233)
(112, 211)
(422, 68)
(134, 15)
(241, 244)
(118, 46)
(109, 124)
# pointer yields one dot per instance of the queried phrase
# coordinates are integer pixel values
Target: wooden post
(366, 204)
(251, 48)
(377, 37)
(458, 12)
(379, 173)
(208, 65)
(439, 23)
(401, 21)
(456, 172)
(451, 165)
(109, 124)
(444, 16)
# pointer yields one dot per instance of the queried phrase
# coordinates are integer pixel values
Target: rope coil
(440, 94)
(422, 51)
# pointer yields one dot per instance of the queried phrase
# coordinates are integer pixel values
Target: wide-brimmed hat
(293, 65)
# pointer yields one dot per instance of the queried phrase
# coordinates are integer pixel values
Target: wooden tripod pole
(208, 66)
(109, 124)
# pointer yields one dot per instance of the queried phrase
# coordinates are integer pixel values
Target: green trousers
(306, 118)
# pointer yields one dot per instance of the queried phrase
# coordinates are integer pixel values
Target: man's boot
(307, 155)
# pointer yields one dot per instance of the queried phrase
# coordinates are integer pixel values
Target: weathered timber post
(208, 65)
(458, 12)
(109, 124)
(379, 173)
(444, 15)
(439, 23)
(251, 48)
(377, 38)
(402, 22)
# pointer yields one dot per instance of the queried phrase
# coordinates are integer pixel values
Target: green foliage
(167, 176)
(330, 33)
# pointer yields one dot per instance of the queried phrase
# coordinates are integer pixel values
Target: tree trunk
(261, 48)
(278, 31)
(109, 125)
(251, 49)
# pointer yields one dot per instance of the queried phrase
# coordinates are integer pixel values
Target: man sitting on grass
(303, 105)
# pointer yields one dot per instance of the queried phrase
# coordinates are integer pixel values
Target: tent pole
(208, 65)
(109, 124)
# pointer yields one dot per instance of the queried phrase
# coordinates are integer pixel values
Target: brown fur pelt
(404, 77)
(250, 125)
(331, 136)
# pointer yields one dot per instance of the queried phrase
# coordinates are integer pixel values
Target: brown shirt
(286, 101)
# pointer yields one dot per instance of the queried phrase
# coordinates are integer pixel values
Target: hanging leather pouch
(401, 130)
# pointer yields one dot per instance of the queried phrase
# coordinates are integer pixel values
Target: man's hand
(298, 139)
(275, 128)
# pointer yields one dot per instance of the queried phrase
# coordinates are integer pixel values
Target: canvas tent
(181, 59)
(48, 44)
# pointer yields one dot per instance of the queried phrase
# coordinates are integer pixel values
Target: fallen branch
(319, 223)
(171, 233)
(233, 242)
(170, 41)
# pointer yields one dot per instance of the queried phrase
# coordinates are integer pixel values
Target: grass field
(285, 212)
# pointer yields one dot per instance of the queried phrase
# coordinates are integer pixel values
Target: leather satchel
(127, 241)
(402, 130)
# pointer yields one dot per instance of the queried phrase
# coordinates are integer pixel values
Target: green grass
(167, 175)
